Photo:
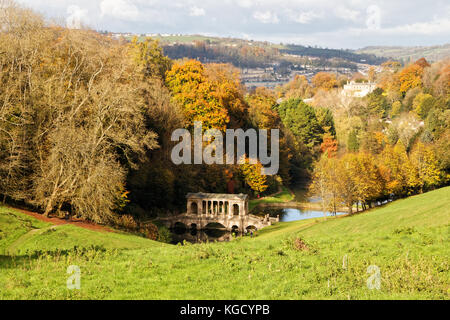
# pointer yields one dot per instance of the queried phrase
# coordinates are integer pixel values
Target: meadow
(407, 240)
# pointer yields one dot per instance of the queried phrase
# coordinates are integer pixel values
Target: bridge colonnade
(198, 204)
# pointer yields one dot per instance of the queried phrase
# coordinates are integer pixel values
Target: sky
(339, 24)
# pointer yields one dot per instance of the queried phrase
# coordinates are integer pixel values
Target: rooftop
(225, 196)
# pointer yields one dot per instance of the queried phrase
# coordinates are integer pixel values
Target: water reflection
(198, 236)
(293, 214)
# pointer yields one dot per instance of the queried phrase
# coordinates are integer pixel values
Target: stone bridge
(229, 210)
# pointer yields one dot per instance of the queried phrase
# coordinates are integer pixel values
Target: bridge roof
(217, 196)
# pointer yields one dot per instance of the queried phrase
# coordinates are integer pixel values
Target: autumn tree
(324, 80)
(261, 109)
(410, 77)
(397, 171)
(329, 145)
(321, 183)
(366, 178)
(424, 160)
(352, 141)
(211, 94)
(253, 177)
(422, 104)
(297, 88)
(149, 56)
(326, 120)
(423, 63)
(228, 91)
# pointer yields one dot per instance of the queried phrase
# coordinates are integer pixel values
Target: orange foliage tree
(329, 145)
(410, 77)
(324, 80)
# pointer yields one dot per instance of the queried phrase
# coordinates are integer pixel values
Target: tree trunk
(49, 206)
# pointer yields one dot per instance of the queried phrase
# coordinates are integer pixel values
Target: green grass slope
(406, 240)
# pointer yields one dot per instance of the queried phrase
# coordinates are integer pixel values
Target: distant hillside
(250, 53)
(406, 54)
(361, 57)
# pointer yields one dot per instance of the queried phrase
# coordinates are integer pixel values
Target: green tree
(422, 104)
(326, 120)
(301, 119)
(149, 56)
(352, 141)
(377, 103)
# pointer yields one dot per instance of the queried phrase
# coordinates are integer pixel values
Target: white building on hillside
(355, 89)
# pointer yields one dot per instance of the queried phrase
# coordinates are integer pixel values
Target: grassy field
(283, 196)
(407, 240)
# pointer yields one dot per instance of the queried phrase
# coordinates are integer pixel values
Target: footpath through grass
(309, 259)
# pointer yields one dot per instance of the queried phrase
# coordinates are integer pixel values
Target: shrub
(164, 235)
(149, 230)
(127, 222)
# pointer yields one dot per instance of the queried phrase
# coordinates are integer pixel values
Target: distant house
(358, 89)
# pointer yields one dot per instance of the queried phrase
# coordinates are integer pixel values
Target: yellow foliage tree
(253, 177)
(191, 88)
(427, 166)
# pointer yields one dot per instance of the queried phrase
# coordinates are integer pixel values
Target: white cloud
(347, 14)
(434, 27)
(121, 9)
(305, 17)
(266, 17)
(245, 3)
(77, 17)
(196, 11)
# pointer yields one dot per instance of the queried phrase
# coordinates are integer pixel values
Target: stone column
(188, 209)
(199, 207)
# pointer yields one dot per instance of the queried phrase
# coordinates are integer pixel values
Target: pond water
(294, 214)
(197, 236)
(211, 235)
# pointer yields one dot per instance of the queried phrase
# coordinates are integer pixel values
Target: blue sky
(333, 24)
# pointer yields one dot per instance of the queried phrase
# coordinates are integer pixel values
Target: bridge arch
(234, 228)
(215, 225)
(251, 227)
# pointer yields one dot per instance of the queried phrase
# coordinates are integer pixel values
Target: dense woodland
(86, 124)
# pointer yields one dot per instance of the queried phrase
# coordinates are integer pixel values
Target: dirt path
(58, 221)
